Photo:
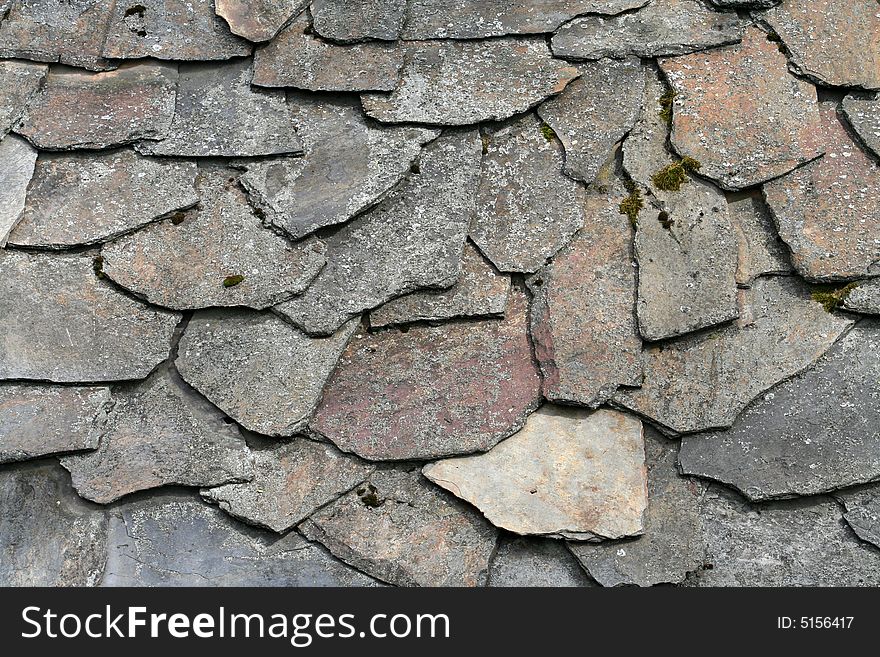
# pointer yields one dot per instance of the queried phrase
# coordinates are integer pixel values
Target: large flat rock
(36, 420)
(432, 391)
(827, 212)
(814, 433)
(264, 373)
(19, 83)
(358, 20)
(664, 27)
(704, 381)
(349, 165)
(412, 240)
(400, 529)
(60, 322)
(291, 482)
(99, 110)
(195, 259)
(583, 309)
(76, 199)
(159, 432)
(568, 473)
(863, 114)
(465, 82)
(218, 114)
(741, 114)
(527, 209)
(258, 20)
(17, 161)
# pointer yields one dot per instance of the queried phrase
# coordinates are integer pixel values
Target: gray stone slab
(527, 209)
(865, 298)
(264, 373)
(159, 432)
(814, 433)
(761, 251)
(291, 482)
(400, 529)
(705, 380)
(218, 254)
(77, 198)
(862, 512)
(568, 473)
(258, 20)
(465, 82)
(17, 161)
(744, 4)
(173, 539)
(357, 20)
(19, 83)
(412, 240)
(664, 27)
(48, 535)
(37, 420)
(535, 562)
(218, 114)
(595, 112)
(349, 165)
(863, 114)
(60, 322)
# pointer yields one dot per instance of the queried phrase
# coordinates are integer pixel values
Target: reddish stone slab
(258, 20)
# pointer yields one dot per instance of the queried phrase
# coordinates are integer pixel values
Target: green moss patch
(830, 296)
(232, 281)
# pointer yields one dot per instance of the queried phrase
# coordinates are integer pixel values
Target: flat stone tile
(19, 83)
(862, 512)
(258, 20)
(761, 251)
(863, 114)
(535, 562)
(17, 161)
(358, 20)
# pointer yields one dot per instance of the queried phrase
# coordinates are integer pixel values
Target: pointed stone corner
(345, 21)
(48, 310)
(349, 165)
(814, 433)
(38, 420)
(401, 530)
(595, 112)
(827, 212)
(451, 389)
(159, 433)
(19, 84)
(76, 199)
(583, 309)
(466, 82)
(671, 545)
(568, 473)
(219, 254)
(527, 209)
(535, 562)
(219, 114)
(740, 114)
(17, 161)
(862, 512)
(712, 376)
(264, 373)
(291, 482)
(258, 20)
(412, 240)
(863, 114)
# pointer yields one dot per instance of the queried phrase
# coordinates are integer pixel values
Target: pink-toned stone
(258, 20)
(19, 83)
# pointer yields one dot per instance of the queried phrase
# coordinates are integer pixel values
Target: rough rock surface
(61, 323)
(796, 543)
(835, 42)
(535, 562)
(296, 58)
(291, 482)
(827, 211)
(526, 208)
(260, 20)
(48, 535)
(261, 371)
(479, 292)
(459, 83)
(158, 433)
(594, 113)
(664, 27)
(741, 114)
(464, 19)
(568, 473)
(349, 165)
(862, 512)
(197, 262)
(173, 539)
(863, 114)
(705, 380)
(400, 529)
(357, 20)
(761, 251)
(77, 199)
(19, 83)
(583, 309)
(865, 298)
(218, 114)
(412, 240)
(100, 110)
(672, 543)
(182, 31)
(36, 420)
(814, 433)
(17, 161)
(451, 389)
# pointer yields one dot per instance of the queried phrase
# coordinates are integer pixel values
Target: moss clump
(666, 106)
(671, 177)
(485, 140)
(98, 267)
(831, 297)
(632, 204)
(232, 281)
(548, 132)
